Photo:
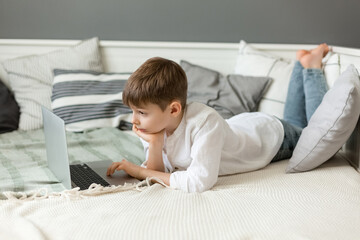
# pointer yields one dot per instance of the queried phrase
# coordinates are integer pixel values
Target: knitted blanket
(264, 204)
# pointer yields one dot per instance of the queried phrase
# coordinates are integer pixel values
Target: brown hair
(158, 81)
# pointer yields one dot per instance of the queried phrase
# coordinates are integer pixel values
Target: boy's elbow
(194, 184)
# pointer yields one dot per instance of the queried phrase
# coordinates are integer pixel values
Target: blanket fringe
(76, 193)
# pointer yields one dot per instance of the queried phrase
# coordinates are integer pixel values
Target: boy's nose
(134, 120)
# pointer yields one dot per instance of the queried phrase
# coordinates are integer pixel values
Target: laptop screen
(56, 146)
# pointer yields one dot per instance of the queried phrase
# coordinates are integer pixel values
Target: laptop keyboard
(83, 176)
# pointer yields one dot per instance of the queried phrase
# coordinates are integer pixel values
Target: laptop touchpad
(118, 178)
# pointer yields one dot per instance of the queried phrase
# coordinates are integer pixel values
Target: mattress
(264, 204)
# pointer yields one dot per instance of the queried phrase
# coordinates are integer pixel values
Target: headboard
(126, 56)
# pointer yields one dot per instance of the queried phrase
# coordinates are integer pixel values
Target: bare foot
(313, 58)
(301, 53)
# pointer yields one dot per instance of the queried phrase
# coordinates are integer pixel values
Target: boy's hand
(156, 144)
(156, 138)
(128, 167)
(137, 171)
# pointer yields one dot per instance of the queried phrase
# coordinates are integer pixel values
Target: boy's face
(149, 118)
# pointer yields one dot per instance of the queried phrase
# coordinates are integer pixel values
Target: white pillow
(30, 77)
(331, 124)
(88, 99)
(254, 62)
(332, 68)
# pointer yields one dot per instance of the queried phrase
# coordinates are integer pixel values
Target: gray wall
(263, 21)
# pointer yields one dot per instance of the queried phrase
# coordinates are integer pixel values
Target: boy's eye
(141, 112)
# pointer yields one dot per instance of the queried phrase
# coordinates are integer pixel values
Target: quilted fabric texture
(31, 77)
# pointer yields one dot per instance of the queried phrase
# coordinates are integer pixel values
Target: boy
(189, 145)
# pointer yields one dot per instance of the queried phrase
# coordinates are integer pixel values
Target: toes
(301, 53)
(326, 49)
(321, 49)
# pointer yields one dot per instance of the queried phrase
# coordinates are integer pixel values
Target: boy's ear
(175, 108)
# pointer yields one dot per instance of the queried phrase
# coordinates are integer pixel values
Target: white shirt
(204, 146)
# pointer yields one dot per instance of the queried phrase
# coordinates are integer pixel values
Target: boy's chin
(146, 131)
(154, 131)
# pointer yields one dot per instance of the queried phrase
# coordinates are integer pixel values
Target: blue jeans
(307, 88)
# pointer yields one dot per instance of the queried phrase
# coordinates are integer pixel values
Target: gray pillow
(30, 77)
(203, 83)
(330, 126)
(239, 94)
(228, 95)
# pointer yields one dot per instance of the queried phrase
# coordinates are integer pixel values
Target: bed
(321, 203)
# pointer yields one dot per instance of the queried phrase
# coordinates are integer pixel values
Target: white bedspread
(265, 204)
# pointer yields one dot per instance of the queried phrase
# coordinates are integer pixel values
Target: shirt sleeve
(167, 165)
(202, 174)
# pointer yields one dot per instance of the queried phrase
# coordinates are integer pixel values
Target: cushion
(331, 124)
(9, 110)
(254, 62)
(31, 77)
(228, 95)
(88, 99)
(332, 68)
(203, 83)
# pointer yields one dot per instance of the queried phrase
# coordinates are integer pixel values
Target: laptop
(75, 175)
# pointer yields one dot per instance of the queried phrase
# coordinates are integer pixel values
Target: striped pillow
(88, 99)
(31, 77)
